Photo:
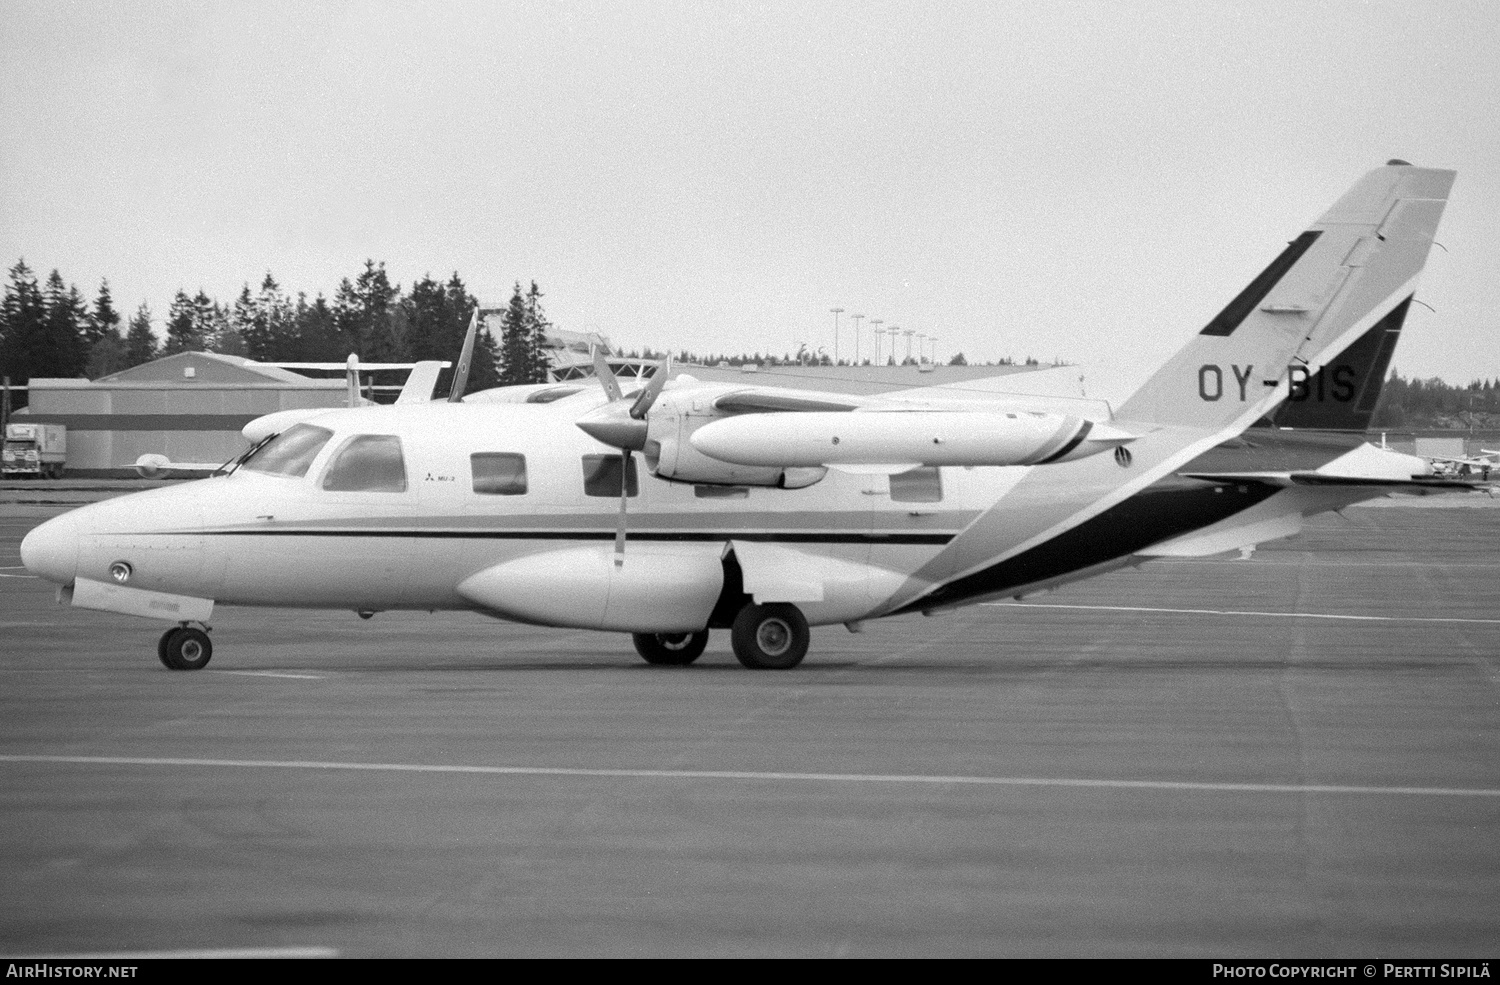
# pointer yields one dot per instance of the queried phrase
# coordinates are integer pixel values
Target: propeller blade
(626, 459)
(465, 359)
(647, 397)
(605, 375)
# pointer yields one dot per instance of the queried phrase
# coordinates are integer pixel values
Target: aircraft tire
(186, 648)
(161, 648)
(770, 637)
(670, 649)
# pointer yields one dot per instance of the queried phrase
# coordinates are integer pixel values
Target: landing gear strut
(670, 649)
(184, 648)
(770, 637)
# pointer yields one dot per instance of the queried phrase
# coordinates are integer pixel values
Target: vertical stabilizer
(1331, 287)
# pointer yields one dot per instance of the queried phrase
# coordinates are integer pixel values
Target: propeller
(624, 428)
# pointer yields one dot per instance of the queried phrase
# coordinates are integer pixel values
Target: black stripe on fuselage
(937, 539)
(1226, 321)
(1170, 508)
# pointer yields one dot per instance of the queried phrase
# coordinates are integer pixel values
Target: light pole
(921, 348)
(857, 319)
(879, 333)
(836, 313)
(932, 341)
(873, 322)
(909, 333)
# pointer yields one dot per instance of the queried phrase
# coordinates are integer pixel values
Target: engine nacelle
(670, 454)
(678, 461)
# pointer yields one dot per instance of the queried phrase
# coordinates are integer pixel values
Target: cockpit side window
(367, 463)
(290, 452)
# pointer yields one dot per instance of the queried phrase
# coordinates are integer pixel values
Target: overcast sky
(1091, 181)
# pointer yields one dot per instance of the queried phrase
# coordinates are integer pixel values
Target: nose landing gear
(184, 648)
(671, 649)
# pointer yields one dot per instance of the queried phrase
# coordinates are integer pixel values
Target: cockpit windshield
(290, 453)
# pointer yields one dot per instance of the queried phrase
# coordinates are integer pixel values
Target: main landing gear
(765, 637)
(184, 648)
(769, 637)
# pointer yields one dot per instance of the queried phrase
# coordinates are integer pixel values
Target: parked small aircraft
(766, 510)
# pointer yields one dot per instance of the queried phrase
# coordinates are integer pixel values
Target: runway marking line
(1237, 612)
(651, 774)
(210, 954)
(271, 673)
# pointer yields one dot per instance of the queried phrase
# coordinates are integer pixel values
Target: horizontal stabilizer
(1288, 479)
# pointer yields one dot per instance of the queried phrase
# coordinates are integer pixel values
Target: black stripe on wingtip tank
(1239, 309)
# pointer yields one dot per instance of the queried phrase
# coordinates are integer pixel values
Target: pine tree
(104, 321)
(59, 350)
(242, 321)
(363, 312)
(536, 337)
(484, 373)
(22, 314)
(318, 337)
(140, 341)
(181, 327)
(515, 358)
(210, 322)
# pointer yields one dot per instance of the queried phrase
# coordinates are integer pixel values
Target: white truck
(38, 450)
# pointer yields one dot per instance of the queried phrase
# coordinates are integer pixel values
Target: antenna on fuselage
(351, 378)
(465, 359)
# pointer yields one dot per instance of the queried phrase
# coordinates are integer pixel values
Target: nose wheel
(770, 637)
(671, 649)
(184, 648)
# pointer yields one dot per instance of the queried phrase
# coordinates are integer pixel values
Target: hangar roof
(212, 368)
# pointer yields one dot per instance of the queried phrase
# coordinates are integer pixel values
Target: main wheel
(670, 649)
(185, 648)
(770, 637)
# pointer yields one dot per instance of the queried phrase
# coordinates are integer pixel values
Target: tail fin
(1349, 273)
(1341, 394)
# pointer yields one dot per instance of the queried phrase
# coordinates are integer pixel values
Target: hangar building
(189, 407)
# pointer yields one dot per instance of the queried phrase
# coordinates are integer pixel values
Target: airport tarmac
(1292, 755)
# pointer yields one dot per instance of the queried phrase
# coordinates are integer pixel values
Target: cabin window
(919, 485)
(601, 476)
(290, 453)
(367, 463)
(498, 473)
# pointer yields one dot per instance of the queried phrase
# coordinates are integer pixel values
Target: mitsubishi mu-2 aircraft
(766, 510)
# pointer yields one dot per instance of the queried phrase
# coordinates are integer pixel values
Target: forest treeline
(49, 329)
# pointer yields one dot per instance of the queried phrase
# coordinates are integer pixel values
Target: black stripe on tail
(1341, 395)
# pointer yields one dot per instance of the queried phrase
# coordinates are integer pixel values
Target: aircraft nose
(51, 550)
